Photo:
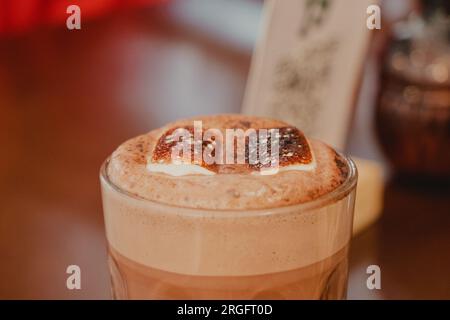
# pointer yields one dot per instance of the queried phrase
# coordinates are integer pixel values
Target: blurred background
(69, 97)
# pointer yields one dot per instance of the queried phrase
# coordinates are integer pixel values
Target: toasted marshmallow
(287, 149)
(294, 167)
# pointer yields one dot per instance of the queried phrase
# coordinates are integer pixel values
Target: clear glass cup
(158, 251)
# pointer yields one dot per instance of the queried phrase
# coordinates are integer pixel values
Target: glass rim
(333, 196)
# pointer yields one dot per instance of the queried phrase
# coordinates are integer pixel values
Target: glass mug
(158, 251)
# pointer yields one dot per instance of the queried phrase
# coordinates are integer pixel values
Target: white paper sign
(307, 66)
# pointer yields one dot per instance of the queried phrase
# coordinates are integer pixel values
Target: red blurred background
(17, 17)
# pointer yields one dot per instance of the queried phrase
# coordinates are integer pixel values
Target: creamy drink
(198, 230)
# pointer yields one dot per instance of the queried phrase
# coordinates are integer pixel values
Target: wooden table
(69, 98)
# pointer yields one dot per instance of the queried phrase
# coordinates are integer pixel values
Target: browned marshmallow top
(293, 148)
(230, 186)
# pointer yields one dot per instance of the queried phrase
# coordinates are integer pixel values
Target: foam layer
(224, 243)
(233, 187)
(262, 225)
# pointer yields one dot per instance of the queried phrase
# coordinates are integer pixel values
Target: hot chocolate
(228, 232)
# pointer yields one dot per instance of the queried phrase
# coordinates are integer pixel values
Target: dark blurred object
(413, 114)
(17, 17)
(429, 8)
